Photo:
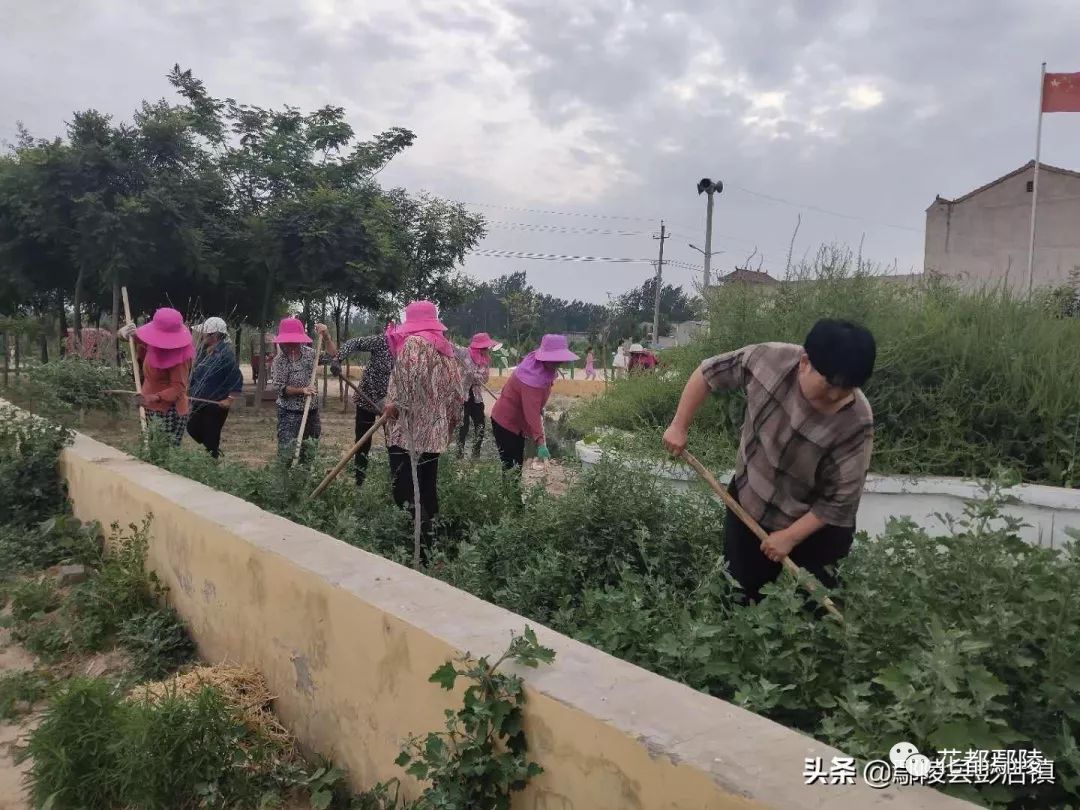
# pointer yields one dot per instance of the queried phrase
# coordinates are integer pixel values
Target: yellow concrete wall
(347, 641)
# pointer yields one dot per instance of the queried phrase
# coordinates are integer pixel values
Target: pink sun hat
(555, 349)
(291, 330)
(420, 316)
(165, 330)
(482, 340)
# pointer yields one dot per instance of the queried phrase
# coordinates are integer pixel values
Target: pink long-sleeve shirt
(520, 409)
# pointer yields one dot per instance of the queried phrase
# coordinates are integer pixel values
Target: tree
(433, 236)
(636, 306)
(309, 213)
(509, 306)
(212, 205)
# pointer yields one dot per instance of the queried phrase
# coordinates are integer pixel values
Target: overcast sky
(866, 108)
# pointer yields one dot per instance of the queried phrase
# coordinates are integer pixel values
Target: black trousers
(364, 420)
(205, 424)
(472, 411)
(401, 485)
(511, 446)
(753, 570)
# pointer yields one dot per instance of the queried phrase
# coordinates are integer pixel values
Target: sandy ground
(12, 659)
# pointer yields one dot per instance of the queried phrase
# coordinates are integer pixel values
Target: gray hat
(213, 326)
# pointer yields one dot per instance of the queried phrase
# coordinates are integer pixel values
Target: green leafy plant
(156, 641)
(73, 751)
(73, 386)
(33, 597)
(481, 757)
(30, 488)
(120, 590)
(119, 601)
(60, 539)
(21, 689)
(96, 749)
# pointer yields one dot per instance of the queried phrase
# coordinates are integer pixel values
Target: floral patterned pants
(288, 428)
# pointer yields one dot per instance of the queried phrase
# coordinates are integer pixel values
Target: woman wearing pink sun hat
(165, 350)
(424, 401)
(476, 363)
(290, 375)
(519, 412)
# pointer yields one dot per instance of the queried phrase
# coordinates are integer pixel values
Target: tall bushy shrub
(966, 383)
(74, 385)
(30, 487)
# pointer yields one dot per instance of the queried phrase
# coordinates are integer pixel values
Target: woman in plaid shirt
(804, 450)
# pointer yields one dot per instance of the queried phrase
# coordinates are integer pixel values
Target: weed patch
(20, 690)
(966, 384)
(156, 642)
(31, 598)
(30, 489)
(166, 747)
(61, 539)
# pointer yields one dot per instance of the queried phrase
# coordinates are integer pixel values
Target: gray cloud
(864, 107)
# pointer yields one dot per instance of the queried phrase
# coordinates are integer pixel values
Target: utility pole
(659, 284)
(709, 187)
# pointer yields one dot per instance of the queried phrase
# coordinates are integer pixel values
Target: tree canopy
(510, 307)
(219, 207)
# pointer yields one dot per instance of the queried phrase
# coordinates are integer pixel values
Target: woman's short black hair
(842, 352)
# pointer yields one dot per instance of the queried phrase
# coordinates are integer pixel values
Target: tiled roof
(741, 274)
(1030, 164)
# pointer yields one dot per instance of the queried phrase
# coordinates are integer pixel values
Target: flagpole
(1035, 182)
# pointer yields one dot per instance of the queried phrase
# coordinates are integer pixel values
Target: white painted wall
(1046, 511)
(984, 239)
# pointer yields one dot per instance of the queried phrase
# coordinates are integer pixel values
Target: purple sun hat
(555, 349)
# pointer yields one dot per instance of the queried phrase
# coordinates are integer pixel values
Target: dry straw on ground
(241, 687)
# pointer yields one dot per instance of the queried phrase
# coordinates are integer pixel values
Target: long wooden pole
(136, 393)
(809, 582)
(134, 356)
(334, 473)
(307, 399)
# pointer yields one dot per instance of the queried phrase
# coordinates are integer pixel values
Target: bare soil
(250, 436)
(13, 658)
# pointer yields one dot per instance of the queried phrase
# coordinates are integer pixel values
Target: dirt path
(13, 658)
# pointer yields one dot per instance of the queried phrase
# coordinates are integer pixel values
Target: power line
(529, 226)
(556, 257)
(560, 213)
(683, 265)
(819, 210)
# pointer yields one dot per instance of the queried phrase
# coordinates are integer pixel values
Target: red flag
(1061, 92)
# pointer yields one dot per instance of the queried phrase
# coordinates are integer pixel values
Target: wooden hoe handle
(808, 581)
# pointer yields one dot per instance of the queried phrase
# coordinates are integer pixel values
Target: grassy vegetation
(100, 744)
(73, 386)
(964, 639)
(966, 384)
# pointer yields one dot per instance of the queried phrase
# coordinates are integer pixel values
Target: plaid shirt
(793, 459)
